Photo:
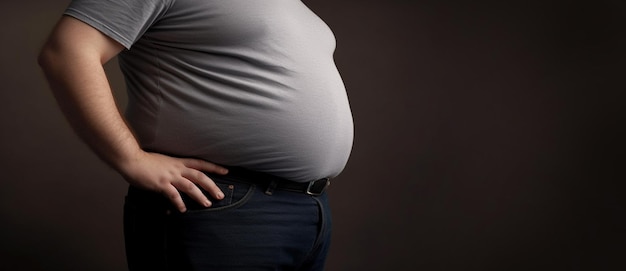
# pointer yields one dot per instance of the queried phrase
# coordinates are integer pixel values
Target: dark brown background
(488, 137)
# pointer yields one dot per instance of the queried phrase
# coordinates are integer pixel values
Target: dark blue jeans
(248, 230)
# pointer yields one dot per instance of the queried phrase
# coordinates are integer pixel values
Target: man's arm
(73, 60)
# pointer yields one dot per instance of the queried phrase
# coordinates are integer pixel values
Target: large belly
(246, 86)
(300, 140)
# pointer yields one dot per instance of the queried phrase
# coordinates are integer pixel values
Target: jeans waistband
(271, 182)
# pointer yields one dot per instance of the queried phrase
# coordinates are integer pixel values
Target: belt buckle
(318, 187)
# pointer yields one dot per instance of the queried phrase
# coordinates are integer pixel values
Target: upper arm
(72, 39)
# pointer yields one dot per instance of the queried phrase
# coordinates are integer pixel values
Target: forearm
(73, 60)
(83, 93)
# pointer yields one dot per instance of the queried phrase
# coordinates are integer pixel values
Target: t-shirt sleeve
(125, 21)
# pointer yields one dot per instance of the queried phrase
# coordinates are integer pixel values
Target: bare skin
(73, 60)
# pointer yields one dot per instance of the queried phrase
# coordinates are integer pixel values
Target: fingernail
(220, 195)
(207, 204)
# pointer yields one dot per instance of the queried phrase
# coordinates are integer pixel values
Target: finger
(201, 179)
(186, 186)
(172, 194)
(204, 166)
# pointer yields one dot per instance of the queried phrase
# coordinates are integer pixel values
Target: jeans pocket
(235, 195)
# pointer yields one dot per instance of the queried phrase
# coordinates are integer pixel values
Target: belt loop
(270, 188)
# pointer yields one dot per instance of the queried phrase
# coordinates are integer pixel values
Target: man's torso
(240, 83)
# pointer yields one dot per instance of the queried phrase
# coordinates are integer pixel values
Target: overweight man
(237, 120)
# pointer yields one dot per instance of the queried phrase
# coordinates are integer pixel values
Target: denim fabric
(247, 230)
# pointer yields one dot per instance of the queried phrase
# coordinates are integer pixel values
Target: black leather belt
(271, 182)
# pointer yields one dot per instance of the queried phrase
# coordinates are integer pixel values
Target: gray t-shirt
(239, 82)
